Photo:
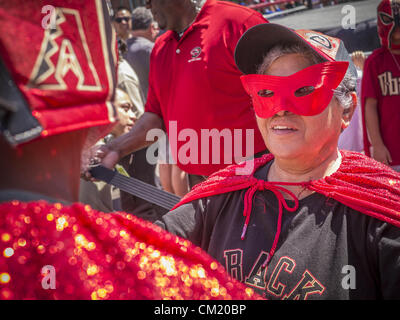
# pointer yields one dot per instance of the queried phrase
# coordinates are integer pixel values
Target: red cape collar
(360, 183)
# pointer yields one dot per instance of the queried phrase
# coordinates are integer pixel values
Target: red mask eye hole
(386, 19)
(303, 91)
(265, 93)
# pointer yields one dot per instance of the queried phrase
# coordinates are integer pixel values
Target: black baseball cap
(255, 43)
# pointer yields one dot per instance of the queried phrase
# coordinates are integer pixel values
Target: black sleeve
(186, 221)
(197, 220)
(388, 248)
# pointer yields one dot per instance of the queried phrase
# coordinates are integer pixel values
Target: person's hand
(99, 154)
(358, 58)
(380, 153)
(107, 157)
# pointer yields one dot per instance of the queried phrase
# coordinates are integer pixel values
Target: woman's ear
(348, 113)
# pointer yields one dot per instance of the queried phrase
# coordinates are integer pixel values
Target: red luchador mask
(388, 20)
(307, 92)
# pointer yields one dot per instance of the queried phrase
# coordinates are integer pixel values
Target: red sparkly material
(360, 183)
(102, 256)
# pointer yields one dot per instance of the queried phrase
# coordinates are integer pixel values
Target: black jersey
(326, 250)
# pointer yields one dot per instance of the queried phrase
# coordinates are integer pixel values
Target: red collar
(360, 183)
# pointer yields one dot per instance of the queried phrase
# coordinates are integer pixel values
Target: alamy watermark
(49, 20)
(195, 146)
(49, 277)
(349, 18)
(349, 280)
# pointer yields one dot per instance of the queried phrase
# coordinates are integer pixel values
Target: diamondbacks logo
(62, 63)
(195, 53)
(321, 40)
(390, 85)
(326, 44)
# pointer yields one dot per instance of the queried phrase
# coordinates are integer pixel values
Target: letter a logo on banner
(63, 64)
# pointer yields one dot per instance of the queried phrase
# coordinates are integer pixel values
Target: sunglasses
(119, 20)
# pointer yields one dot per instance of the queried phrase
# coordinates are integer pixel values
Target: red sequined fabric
(360, 183)
(52, 251)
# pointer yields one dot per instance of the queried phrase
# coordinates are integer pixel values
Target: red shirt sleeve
(253, 20)
(240, 28)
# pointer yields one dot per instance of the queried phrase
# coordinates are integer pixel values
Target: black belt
(135, 187)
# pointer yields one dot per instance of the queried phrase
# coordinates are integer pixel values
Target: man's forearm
(135, 139)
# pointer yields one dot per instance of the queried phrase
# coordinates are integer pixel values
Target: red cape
(360, 183)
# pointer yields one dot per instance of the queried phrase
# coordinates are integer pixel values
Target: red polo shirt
(195, 87)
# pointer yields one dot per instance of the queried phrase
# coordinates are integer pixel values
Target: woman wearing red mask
(309, 221)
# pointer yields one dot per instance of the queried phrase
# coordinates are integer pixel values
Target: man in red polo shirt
(195, 93)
